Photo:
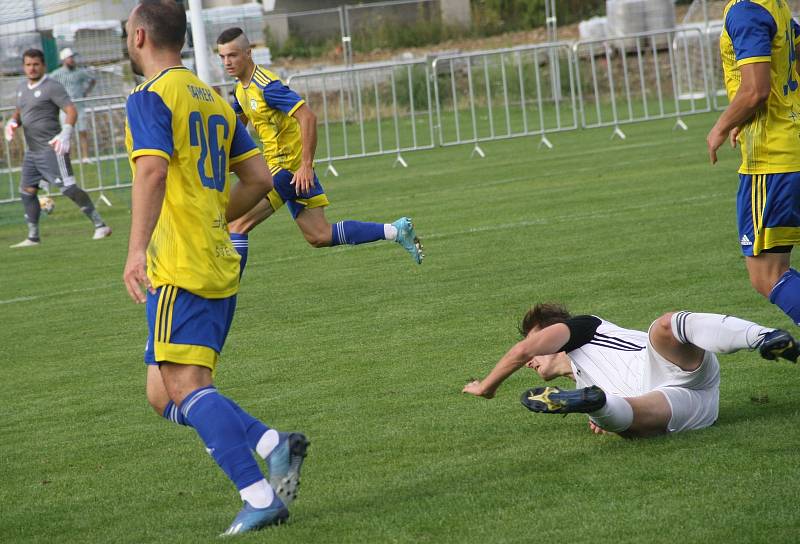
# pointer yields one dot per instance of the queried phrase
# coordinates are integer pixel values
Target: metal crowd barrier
(642, 77)
(372, 110)
(506, 93)
(390, 109)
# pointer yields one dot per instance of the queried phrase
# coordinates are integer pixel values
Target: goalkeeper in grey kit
(39, 100)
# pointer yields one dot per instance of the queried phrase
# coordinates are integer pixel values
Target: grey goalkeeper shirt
(38, 108)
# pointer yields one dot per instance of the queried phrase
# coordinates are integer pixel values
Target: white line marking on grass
(569, 218)
(339, 250)
(56, 294)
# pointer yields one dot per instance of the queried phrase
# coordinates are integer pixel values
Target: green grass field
(367, 353)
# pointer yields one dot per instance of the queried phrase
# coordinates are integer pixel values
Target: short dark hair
(165, 22)
(543, 315)
(229, 34)
(33, 54)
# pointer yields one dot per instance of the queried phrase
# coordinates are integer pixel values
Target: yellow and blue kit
(190, 259)
(768, 205)
(269, 105)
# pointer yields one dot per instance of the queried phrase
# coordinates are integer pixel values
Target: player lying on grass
(632, 383)
(287, 129)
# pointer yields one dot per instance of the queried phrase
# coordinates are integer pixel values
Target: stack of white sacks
(625, 17)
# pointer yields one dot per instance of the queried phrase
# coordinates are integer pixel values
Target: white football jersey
(614, 360)
(623, 362)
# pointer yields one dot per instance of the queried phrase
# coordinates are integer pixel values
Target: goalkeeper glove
(60, 142)
(11, 126)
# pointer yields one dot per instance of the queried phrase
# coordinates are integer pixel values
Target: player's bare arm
(255, 182)
(303, 179)
(547, 341)
(243, 118)
(147, 196)
(72, 114)
(752, 93)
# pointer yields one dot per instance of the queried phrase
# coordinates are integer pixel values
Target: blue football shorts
(768, 211)
(285, 193)
(185, 328)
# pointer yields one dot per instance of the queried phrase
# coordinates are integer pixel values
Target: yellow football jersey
(269, 105)
(763, 31)
(176, 116)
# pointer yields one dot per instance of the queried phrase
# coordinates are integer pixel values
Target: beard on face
(135, 67)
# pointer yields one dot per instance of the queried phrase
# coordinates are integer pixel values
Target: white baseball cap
(66, 53)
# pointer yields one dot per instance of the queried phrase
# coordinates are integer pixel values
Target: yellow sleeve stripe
(752, 60)
(261, 78)
(149, 152)
(244, 156)
(264, 74)
(296, 107)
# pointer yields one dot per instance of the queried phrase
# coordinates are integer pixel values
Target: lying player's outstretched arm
(547, 341)
(255, 182)
(147, 196)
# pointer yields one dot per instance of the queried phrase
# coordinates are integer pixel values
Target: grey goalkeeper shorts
(46, 165)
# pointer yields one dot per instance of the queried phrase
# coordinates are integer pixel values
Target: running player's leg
(315, 227)
(241, 227)
(768, 212)
(260, 438)
(318, 232)
(253, 218)
(308, 212)
(173, 391)
(207, 411)
(186, 334)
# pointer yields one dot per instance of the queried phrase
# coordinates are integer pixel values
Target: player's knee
(71, 191)
(318, 239)
(662, 328)
(24, 191)
(239, 226)
(763, 283)
(158, 400)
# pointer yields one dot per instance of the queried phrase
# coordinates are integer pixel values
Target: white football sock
(717, 333)
(267, 443)
(259, 494)
(389, 232)
(616, 416)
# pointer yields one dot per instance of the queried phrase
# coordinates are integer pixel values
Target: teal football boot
(251, 519)
(284, 465)
(407, 237)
